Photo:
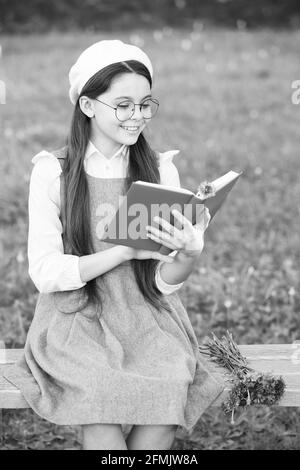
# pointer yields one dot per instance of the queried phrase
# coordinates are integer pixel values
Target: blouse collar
(91, 149)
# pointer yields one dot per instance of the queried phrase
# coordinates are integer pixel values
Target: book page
(164, 186)
(224, 180)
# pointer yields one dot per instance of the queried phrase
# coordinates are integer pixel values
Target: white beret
(98, 56)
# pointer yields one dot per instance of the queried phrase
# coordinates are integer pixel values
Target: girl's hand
(188, 240)
(134, 253)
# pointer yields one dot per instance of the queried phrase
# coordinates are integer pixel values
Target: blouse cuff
(162, 285)
(61, 274)
(71, 274)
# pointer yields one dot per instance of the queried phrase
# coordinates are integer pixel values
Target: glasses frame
(135, 104)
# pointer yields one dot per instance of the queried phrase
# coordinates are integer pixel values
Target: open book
(144, 201)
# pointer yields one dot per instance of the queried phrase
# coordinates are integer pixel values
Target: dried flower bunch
(249, 387)
(206, 190)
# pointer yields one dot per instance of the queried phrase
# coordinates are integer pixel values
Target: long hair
(143, 165)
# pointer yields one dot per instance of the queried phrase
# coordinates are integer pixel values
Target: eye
(124, 105)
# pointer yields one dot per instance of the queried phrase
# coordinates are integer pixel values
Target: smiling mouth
(131, 128)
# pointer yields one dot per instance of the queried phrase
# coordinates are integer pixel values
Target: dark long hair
(143, 165)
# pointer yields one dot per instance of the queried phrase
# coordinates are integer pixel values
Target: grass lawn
(225, 102)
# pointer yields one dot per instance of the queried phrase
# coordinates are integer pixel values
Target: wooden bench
(279, 359)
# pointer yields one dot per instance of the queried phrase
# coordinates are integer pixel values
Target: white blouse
(49, 268)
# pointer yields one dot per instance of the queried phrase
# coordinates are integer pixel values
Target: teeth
(130, 128)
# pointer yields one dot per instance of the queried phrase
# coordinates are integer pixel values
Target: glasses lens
(149, 108)
(126, 109)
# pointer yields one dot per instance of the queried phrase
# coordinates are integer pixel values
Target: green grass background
(225, 102)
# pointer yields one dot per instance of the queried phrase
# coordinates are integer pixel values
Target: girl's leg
(151, 437)
(103, 436)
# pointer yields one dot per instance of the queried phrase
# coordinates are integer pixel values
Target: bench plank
(278, 359)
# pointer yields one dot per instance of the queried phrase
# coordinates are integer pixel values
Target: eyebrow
(130, 97)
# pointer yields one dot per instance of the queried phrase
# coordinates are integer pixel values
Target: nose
(137, 112)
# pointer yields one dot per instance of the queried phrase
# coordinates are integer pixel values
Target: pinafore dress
(133, 364)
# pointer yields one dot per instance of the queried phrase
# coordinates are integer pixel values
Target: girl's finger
(204, 221)
(167, 226)
(207, 216)
(156, 255)
(161, 238)
(167, 259)
(181, 218)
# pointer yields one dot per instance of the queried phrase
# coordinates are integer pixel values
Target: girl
(110, 347)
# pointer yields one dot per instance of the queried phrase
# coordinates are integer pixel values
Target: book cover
(144, 201)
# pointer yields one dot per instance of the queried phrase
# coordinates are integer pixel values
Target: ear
(87, 106)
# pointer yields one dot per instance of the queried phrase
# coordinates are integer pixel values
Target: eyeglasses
(125, 110)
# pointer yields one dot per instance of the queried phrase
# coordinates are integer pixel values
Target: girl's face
(107, 132)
